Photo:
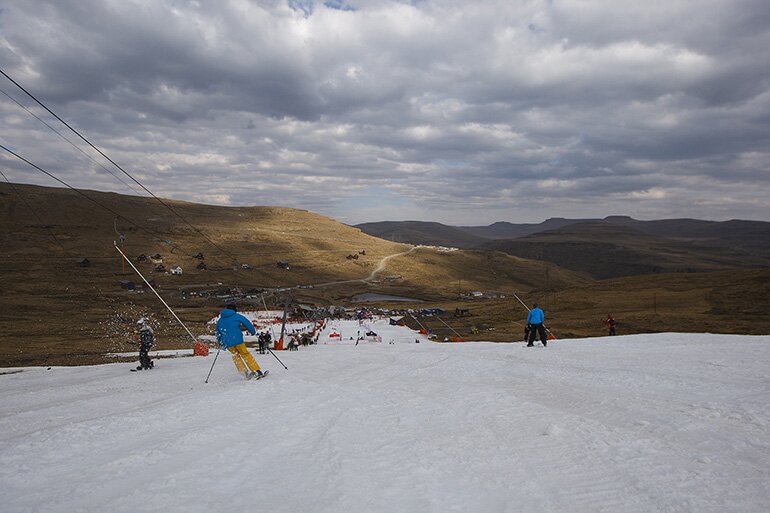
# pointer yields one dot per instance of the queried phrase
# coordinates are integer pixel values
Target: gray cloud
(374, 109)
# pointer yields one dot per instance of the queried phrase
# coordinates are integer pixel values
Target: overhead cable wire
(70, 142)
(61, 246)
(81, 193)
(171, 209)
(34, 212)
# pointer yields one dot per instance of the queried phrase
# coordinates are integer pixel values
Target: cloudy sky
(366, 110)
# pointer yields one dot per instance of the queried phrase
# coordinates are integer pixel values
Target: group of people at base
(230, 337)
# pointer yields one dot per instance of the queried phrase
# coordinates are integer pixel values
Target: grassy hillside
(449, 274)
(47, 298)
(53, 311)
(56, 311)
(734, 301)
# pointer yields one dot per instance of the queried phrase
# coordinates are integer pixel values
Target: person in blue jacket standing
(230, 337)
(535, 320)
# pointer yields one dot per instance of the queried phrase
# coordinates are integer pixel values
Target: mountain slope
(67, 313)
(506, 230)
(420, 232)
(61, 309)
(607, 250)
(751, 237)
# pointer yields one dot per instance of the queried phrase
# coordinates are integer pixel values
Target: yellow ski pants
(243, 359)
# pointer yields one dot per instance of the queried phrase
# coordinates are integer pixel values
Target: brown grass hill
(57, 311)
(605, 249)
(434, 274)
(733, 301)
(48, 298)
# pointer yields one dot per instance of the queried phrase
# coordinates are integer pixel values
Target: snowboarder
(146, 341)
(610, 322)
(535, 320)
(230, 337)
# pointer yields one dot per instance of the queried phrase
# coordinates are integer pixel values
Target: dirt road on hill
(380, 267)
(384, 262)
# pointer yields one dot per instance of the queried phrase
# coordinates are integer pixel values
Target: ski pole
(212, 365)
(279, 360)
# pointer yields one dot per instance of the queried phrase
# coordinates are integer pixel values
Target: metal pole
(448, 326)
(156, 293)
(418, 323)
(271, 324)
(212, 365)
(271, 330)
(527, 309)
(286, 301)
(522, 302)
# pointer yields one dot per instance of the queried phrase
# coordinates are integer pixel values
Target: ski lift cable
(34, 213)
(81, 193)
(69, 141)
(53, 235)
(171, 209)
(174, 211)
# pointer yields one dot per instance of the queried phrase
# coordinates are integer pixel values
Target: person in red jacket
(610, 322)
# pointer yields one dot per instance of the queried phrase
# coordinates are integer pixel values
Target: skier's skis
(258, 376)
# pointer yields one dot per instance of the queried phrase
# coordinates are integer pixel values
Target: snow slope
(646, 423)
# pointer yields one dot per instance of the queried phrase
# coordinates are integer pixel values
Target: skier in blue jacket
(230, 337)
(535, 320)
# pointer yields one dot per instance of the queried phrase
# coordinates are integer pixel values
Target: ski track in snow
(644, 423)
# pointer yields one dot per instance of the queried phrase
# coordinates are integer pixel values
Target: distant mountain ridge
(506, 230)
(604, 248)
(423, 232)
